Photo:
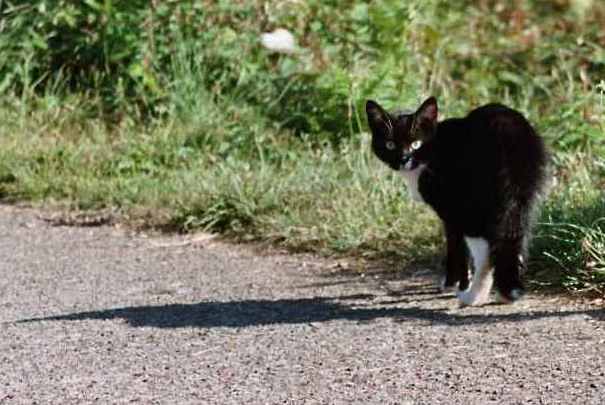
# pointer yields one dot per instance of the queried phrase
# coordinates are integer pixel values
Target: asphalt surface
(101, 315)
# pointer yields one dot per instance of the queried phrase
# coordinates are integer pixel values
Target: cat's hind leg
(456, 261)
(509, 249)
(478, 292)
(508, 261)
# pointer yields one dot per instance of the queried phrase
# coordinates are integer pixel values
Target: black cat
(482, 175)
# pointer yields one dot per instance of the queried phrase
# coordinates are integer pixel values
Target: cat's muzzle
(408, 162)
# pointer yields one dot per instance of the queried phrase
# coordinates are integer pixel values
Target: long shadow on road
(249, 313)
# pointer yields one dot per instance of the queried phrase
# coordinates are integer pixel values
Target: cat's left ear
(425, 120)
(428, 111)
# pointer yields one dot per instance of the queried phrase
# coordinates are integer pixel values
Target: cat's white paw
(471, 298)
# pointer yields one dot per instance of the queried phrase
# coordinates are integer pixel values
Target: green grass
(184, 128)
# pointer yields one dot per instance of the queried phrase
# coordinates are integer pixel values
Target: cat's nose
(406, 162)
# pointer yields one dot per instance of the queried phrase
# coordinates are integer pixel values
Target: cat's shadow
(342, 295)
(259, 312)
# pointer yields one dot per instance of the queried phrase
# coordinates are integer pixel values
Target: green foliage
(131, 55)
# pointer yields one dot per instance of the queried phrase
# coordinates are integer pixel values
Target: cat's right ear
(378, 119)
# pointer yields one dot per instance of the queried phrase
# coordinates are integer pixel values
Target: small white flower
(280, 40)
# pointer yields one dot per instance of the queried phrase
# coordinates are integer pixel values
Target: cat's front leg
(456, 261)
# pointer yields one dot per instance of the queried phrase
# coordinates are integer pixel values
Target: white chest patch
(411, 178)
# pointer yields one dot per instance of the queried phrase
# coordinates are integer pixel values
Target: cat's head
(398, 137)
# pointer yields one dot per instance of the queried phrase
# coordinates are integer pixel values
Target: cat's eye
(390, 145)
(416, 145)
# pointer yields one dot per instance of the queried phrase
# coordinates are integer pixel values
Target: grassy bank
(189, 128)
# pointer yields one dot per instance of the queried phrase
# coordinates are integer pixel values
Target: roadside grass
(298, 195)
(180, 128)
(570, 237)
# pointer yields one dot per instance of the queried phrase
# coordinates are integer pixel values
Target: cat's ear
(428, 111)
(379, 120)
(426, 119)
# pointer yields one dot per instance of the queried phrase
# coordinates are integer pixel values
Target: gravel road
(101, 315)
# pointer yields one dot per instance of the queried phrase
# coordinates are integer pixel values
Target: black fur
(483, 176)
